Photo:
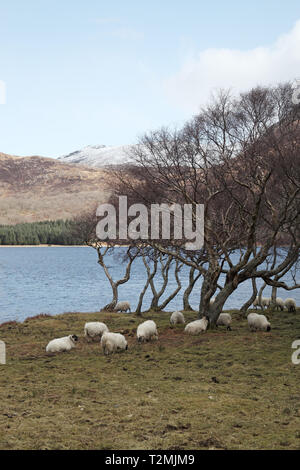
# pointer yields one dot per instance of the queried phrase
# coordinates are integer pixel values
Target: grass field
(219, 390)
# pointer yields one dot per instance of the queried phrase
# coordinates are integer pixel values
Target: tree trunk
(150, 276)
(250, 301)
(260, 294)
(273, 297)
(217, 307)
(188, 290)
(165, 275)
(175, 292)
(114, 284)
(109, 307)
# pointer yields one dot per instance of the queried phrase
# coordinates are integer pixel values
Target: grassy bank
(223, 390)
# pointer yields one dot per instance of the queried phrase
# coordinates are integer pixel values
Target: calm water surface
(68, 279)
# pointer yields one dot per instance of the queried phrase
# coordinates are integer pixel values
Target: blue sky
(94, 72)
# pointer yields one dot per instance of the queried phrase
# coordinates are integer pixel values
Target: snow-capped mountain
(98, 155)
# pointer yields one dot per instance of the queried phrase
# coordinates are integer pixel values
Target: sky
(87, 72)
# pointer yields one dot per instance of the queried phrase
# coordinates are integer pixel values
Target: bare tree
(85, 229)
(128, 259)
(240, 157)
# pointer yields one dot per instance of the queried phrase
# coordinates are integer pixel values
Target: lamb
(62, 344)
(290, 304)
(94, 329)
(122, 306)
(113, 342)
(279, 303)
(177, 317)
(197, 326)
(146, 331)
(224, 320)
(258, 322)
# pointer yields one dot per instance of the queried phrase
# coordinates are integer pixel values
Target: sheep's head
(74, 338)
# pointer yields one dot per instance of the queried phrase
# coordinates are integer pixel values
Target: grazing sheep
(197, 326)
(146, 331)
(262, 303)
(177, 317)
(258, 322)
(224, 320)
(122, 306)
(265, 302)
(279, 303)
(62, 344)
(112, 342)
(94, 329)
(290, 304)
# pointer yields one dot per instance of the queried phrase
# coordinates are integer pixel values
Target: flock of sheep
(289, 303)
(146, 331)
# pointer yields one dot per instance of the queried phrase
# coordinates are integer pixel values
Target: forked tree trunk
(186, 295)
(244, 308)
(217, 307)
(165, 267)
(150, 276)
(114, 284)
(163, 305)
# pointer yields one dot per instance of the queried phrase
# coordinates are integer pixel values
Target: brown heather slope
(37, 188)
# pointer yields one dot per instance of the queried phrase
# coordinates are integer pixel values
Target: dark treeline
(52, 232)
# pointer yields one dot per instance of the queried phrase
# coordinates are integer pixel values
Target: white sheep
(62, 344)
(146, 331)
(177, 317)
(94, 329)
(279, 303)
(197, 326)
(224, 320)
(265, 302)
(112, 342)
(122, 306)
(290, 304)
(258, 322)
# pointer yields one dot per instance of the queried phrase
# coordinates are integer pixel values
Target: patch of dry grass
(219, 390)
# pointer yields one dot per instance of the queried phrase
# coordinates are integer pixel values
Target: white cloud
(209, 70)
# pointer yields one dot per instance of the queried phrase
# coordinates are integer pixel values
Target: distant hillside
(98, 156)
(36, 188)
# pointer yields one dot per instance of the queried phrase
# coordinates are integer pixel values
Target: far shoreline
(55, 246)
(43, 246)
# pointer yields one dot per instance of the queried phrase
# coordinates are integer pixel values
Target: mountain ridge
(98, 156)
(40, 188)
